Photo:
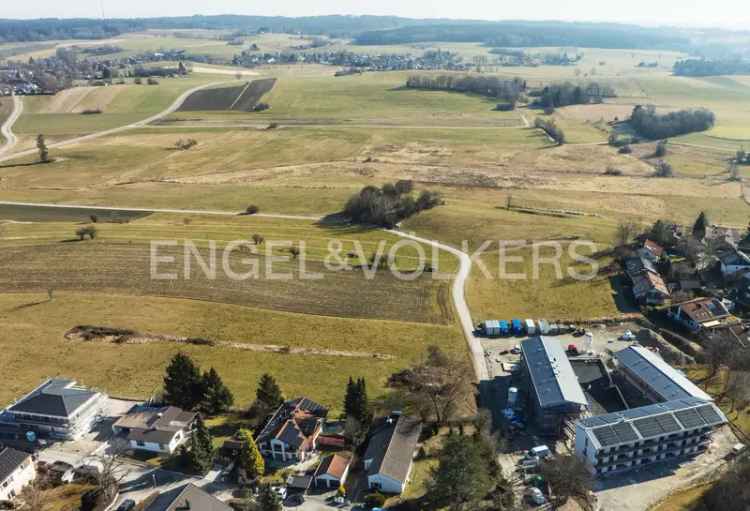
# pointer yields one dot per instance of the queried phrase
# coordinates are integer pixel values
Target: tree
(568, 477)
(269, 393)
(183, 384)
(731, 492)
(41, 146)
(404, 186)
(625, 233)
(662, 232)
(258, 239)
(700, 226)
(738, 389)
(436, 386)
(294, 251)
(663, 169)
(268, 500)
(217, 398)
(461, 478)
(198, 457)
(251, 209)
(661, 149)
(88, 230)
(356, 404)
(249, 462)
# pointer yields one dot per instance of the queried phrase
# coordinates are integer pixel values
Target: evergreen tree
(700, 226)
(349, 398)
(462, 476)
(199, 457)
(249, 460)
(356, 405)
(217, 398)
(183, 385)
(41, 146)
(268, 500)
(269, 393)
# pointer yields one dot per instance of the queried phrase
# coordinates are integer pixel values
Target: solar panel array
(710, 415)
(691, 419)
(618, 434)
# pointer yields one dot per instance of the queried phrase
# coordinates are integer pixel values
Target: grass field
(105, 282)
(685, 500)
(60, 115)
(6, 107)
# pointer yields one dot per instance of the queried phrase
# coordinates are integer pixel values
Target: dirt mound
(88, 333)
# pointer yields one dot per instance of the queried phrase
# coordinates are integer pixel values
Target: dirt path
(7, 128)
(85, 138)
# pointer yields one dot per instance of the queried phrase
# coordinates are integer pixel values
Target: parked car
(516, 350)
(536, 496)
(627, 336)
(540, 451)
(126, 505)
(572, 350)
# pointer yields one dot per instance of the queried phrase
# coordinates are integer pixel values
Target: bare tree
(738, 389)
(568, 477)
(435, 387)
(294, 251)
(33, 497)
(625, 233)
(112, 470)
(41, 146)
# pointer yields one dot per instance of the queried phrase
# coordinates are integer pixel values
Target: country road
(85, 138)
(7, 127)
(457, 289)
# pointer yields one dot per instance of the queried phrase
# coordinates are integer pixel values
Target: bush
(93, 111)
(272, 126)
(88, 230)
(138, 81)
(251, 209)
(551, 129)
(186, 144)
(611, 171)
(375, 500)
(661, 149)
(260, 107)
(664, 169)
(626, 149)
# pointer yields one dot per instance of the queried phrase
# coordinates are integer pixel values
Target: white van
(540, 451)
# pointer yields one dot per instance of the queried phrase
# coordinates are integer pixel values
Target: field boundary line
(242, 92)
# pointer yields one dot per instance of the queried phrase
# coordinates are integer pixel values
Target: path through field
(85, 138)
(7, 127)
(457, 290)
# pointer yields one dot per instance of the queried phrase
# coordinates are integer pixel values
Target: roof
(155, 425)
(661, 377)
(653, 247)
(651, 421)
(701, 310)
(334, 466)
(10, 460)
(637, 265)
(646, 282)
(392, 445)
(293, 422)
(55, 397)
(552, 376)
(187, 497)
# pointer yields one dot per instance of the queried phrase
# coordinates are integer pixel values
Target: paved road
(85, 138)
(7, 127)
(457, 289)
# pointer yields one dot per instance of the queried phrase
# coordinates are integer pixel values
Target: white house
(389, 457)
(159, 430)
(292, 432)
(16, 471)
(734, 262)
(58, 408)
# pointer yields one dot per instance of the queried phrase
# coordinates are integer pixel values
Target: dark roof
(661, 377)
(552, 376)
(645, 282)
(391, 446)
(56, 397)
(652, 421)
(293, 421)
(10, 460)
(636, 265)
(156, 425)
(187, 497)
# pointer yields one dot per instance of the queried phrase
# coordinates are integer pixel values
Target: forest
(490, 86)
(706, 67)
(565, 94)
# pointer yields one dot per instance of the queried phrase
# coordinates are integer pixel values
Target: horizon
(666, 14)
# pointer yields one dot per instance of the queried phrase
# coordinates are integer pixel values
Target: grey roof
(637, 265)
(56, 397)
(391, 447)
(303, 413)
(662, 378)
(156, 425)
(10, 460)
(552, 376)
(651, 421)
(187, 497)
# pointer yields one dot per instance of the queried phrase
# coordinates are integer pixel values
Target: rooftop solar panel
(625, 432)
(668, 423)
(606, 436)
(710, 415)
(648, 427)
(690, 418)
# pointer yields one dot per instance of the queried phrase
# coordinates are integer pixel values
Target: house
(58, 409)
(389, 458)
(699, 314)
(630, 439)
(635, 266)
(332, 434)
(734, 263)
(159, 430)
(184, 498)
(555, 394)
(16, 471)
(292, 432)
(332, 471)
(650, 289)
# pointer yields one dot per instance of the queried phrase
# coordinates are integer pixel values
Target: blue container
(504, 327)
(517, 327)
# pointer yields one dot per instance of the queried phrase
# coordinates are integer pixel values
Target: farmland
(240, 98)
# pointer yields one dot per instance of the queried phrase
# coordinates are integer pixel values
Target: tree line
(706, 67)
(550, 127)
(388, 205)
(490, 86)
(647, 123)
(566, 93)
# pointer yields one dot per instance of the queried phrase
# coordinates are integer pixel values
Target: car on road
(516, 350)
(126, 505)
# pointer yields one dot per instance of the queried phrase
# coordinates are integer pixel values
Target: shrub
(272, 126)
(261, 107)
(92, 111)
(551, 129)
(664, 169)
(375, 500)
(152, 81)
(88, 230)
(138, 81)
(626, 149)
(611, 171)
(251, 209)
(186, 144)
(661, 149)
(94, 219)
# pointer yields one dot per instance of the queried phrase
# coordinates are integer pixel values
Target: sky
(719, 13)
